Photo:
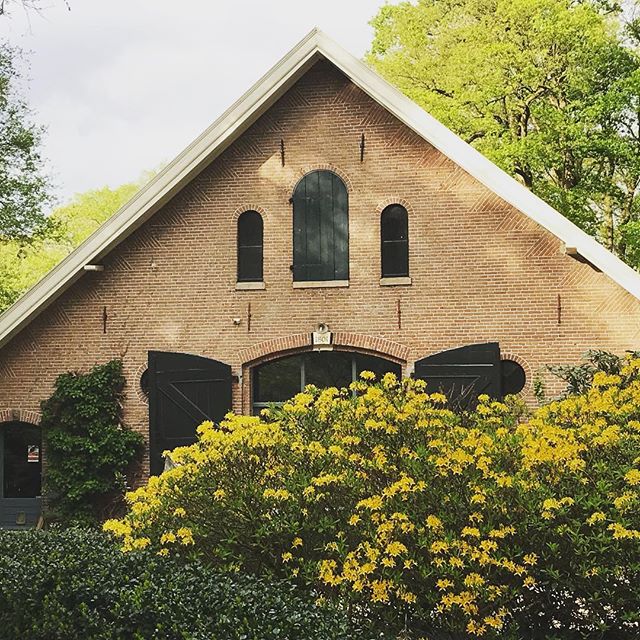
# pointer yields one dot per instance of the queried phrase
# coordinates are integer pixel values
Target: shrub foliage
(87, 447)
(444, 525)
(58, 585)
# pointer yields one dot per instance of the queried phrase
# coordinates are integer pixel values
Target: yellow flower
(395, 549)
(287, 556)
(297, 542)
(380, 591)
(598, 516)
(168, 537)
(185, 534)
(633, 477)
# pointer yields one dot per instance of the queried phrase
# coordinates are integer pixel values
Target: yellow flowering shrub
(480, 524)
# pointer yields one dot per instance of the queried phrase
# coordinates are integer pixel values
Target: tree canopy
(547, 89)
(22, 264)
(24, 185)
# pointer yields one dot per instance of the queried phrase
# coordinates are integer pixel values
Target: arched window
(278, 380)
(320, 228)
(250, 241)
(394, 237)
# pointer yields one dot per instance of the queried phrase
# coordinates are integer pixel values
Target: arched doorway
(20, 475)
(278, 380)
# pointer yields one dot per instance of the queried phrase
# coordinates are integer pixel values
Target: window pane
(250, 258)
(250, 228)
(395, 259)
(394, 223)
(278, 380)
(250, 264)
(22, 465)
(328, 369)
(379, 366)
(394, 235)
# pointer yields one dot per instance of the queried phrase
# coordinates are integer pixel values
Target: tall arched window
(320, 228)
(250, 241)
(394, 236)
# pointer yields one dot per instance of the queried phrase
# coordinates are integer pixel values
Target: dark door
(20, 475)
(184, 391)
(463, 374)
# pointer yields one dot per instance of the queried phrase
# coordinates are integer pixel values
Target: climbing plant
(87, 448)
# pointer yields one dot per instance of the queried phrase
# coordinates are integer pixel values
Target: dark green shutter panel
(463, 374)
(184, 391)
(320, 228)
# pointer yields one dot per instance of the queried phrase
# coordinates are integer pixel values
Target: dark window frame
(389, 245)
(320, 228)
(245, 270)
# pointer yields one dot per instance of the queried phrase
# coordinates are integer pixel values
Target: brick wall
(481, 271)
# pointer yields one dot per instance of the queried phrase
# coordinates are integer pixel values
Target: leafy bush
(380, 497)
(88, 450)
(75, 583)
(578, 378)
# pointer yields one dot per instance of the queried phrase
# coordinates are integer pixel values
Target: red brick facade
(481, 270)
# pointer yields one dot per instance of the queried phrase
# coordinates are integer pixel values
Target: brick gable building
(312, 287)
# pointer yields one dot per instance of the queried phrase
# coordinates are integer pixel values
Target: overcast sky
(124, 85)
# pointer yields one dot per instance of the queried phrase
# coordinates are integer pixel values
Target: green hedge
(77, 584)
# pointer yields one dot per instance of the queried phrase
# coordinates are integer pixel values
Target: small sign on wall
(322, 338)
(33, 453)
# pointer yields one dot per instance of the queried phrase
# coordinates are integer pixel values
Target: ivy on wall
(87, 448)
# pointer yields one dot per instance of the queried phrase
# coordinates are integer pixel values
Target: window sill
(402, 281)
(249, 286)
(320, 284)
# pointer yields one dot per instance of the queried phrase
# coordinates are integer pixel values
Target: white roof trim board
(241, 115)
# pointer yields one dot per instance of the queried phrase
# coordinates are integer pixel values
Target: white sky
(124, 85)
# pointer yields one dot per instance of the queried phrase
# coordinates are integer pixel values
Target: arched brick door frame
(20, 415)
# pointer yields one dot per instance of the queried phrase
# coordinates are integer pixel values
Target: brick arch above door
(20, 415)
(345, 339)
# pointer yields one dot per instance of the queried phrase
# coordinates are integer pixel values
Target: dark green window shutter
(320, 228)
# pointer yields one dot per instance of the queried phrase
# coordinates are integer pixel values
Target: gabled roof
(202, 151)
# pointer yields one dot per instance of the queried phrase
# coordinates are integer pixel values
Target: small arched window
(320, 228)
(394, 236)
(250, 247)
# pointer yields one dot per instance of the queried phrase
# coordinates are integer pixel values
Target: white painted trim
(398, 281)
(249, 286)
(202, 151)
(320, 284)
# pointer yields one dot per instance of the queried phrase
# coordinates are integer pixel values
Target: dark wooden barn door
(184, 391)
(463, 374)
(320, 228)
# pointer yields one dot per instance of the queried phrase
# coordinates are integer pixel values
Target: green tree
(24, 186)
(547, 89)
(22, 264)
